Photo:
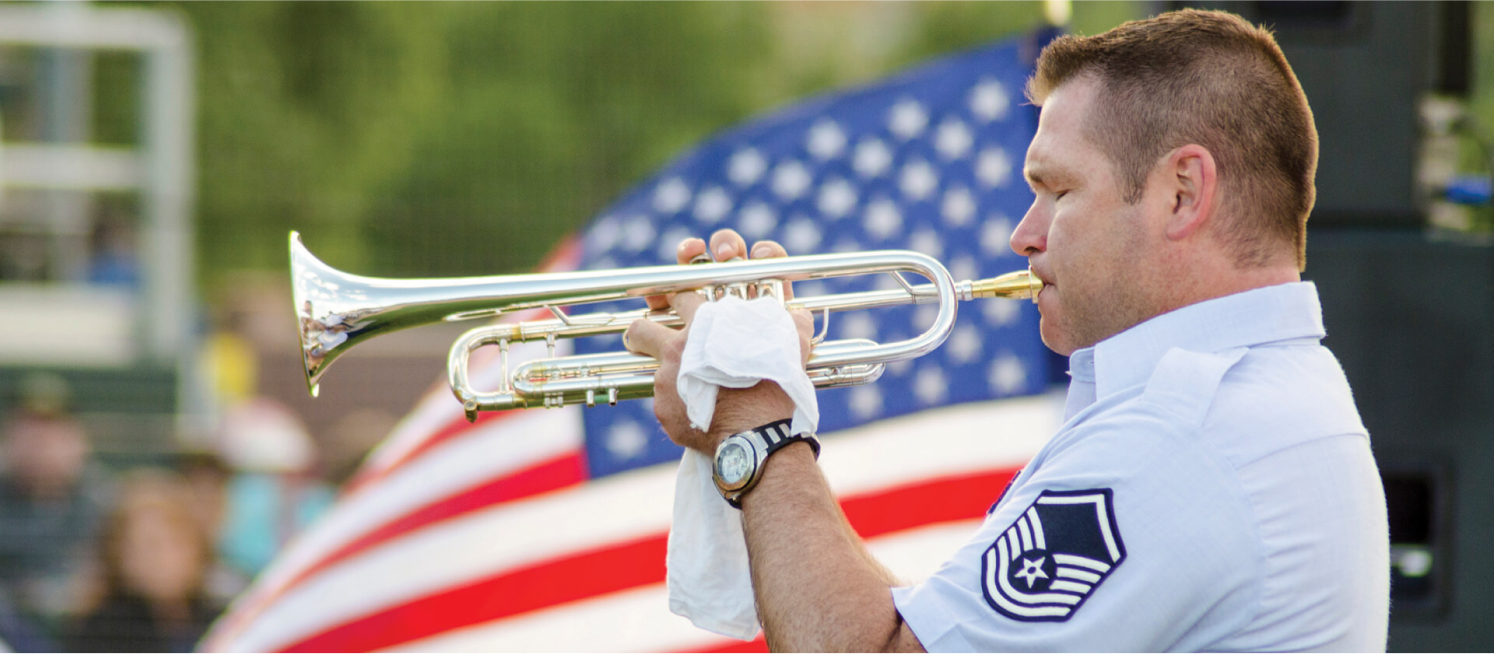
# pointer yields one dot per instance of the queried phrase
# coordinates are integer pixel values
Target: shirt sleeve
(1137, 541)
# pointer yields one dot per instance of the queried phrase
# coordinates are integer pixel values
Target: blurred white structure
(51, 324)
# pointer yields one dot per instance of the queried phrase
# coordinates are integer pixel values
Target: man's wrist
(741, 409)
(794, 456)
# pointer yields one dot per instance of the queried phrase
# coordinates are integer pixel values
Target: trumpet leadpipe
(1019, 285)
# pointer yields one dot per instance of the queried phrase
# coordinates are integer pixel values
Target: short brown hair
(1208, 78)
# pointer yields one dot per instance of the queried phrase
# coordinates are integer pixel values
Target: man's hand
(736, 409)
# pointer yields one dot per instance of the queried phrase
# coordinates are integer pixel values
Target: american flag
(546, 529)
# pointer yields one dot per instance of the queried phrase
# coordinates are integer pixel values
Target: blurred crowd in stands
(140, 559)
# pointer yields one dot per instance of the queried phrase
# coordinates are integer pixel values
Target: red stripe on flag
(457, 427)
(630, 565)
(759, 644)
(598, 572)
(557, 473)
(554, 474)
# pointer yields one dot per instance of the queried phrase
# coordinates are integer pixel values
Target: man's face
(1081, 238)
(45, 456)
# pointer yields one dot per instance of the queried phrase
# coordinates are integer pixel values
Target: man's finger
(727, 244)
(688, 249)
(804, 324)
(657, 302)
(770, 250)
(647, 337)
(686, 304)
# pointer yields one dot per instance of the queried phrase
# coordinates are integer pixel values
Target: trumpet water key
(336, 310)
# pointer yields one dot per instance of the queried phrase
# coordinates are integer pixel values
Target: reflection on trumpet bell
(336, 310)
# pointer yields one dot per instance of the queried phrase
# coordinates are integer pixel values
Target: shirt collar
(1255, 317)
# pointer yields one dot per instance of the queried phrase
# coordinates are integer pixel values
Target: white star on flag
(988, 101)
(996, 236)
(858, 325)
(711, 206)
(758, 220)
(964, 267)
(866, 402)
(801, 236)
(746, 167)
(928, 242)
(907, 119)
(1001, 314)
(958, 207)
(883, 220)
(993, 167)
(671, 196)
(930, 386)
(953, 139)
(638, 233)
(918, 180)
(790, 179)
(964, 344)
(837, 198)
(872, 158)
(1007, 374)
(626, 439)
(826, 140)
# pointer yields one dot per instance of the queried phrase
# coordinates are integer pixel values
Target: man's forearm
(817, 586)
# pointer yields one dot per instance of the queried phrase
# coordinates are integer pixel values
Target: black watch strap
(777, 435)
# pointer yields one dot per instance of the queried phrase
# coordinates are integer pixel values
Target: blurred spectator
(230, 360)
(51, 502)
(113, 242)
(155, 556)
(16, 633)
(207, 478)
(274, 492)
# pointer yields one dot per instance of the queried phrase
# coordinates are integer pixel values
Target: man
(51, 502)
(1213, 487)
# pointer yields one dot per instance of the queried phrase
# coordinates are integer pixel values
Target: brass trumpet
(336, 310)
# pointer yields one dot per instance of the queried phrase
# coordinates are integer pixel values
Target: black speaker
(1365, 67)
(1412, 321)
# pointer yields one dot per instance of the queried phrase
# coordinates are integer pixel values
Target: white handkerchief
(734, 343)
(708, 578)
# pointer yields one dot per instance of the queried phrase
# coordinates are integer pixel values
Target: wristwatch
(739, 458)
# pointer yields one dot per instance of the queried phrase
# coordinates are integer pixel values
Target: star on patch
(1053, 557)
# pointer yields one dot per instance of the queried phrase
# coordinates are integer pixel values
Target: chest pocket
(1184, 382)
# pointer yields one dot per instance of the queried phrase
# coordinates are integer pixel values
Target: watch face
(734, 464)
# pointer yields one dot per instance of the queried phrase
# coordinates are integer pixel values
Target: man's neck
(1219, 277)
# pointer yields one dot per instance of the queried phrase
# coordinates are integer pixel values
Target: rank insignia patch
(1043, 567)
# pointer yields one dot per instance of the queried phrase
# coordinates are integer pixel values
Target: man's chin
(1054, 338)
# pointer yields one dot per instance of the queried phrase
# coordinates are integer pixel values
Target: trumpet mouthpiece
(1019, 285)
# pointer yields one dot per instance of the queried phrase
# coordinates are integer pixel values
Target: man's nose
(1031, 235)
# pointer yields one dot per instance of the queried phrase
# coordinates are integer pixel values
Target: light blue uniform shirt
(1211, 489)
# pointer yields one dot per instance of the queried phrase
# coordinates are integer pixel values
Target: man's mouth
(1042, 277)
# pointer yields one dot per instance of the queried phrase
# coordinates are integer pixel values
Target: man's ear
(1193, 179)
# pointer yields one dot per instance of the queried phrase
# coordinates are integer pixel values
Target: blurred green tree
(439, 139)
